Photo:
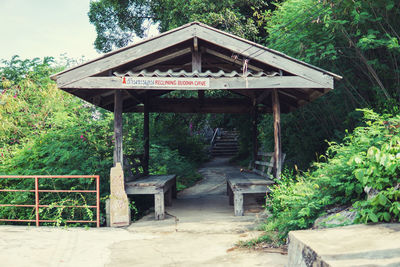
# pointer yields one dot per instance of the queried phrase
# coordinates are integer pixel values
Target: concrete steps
(226, 144)
(355, 245)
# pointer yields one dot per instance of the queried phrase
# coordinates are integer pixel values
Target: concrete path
(200, 230)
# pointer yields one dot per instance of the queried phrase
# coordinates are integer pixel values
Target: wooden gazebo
(138, 78)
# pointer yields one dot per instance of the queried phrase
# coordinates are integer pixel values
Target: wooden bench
(163, 187)
(253, 182)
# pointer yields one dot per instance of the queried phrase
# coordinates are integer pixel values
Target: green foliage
(356, 39)
(117, 22)
(368, 157)
(163, 160)
(46, 131)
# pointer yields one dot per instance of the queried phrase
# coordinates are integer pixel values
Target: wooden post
(146, 136)
(277, 134)
(118, 153)
(238, 205)
(196, 66)
(159, 205)
(254, 132)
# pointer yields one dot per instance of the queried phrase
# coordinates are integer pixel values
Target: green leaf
(387, 216)
(373, 217)
(382, 199)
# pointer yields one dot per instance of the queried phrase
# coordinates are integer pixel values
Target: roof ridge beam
(126, 56)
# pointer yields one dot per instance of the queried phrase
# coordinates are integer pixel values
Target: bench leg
(230, 195)
(174, 190)
(238, 205)
(168, 197)
(159, 205)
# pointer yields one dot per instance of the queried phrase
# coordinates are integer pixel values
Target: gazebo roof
(196, 57)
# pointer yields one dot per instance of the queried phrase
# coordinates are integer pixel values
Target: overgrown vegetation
(368, 157)
(45, 131)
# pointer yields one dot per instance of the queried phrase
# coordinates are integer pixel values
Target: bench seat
(239, 184)
(255, 182)
(163, 187)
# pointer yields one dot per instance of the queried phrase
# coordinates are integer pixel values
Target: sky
(39, 28)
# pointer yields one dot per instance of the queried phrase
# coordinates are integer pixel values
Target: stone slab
(119, 204)
(355, 245)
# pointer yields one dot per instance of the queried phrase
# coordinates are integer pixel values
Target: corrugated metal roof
(183, 73)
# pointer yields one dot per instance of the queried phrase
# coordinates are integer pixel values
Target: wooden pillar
(277, 134)
(254, 132)
(196, 66)
(196, 56)
(146, 136)
(118, 153)
(159, 205)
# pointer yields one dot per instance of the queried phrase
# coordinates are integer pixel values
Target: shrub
(370, 156)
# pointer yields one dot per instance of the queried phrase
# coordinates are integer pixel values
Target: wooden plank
(254, 189)
(135, 96)
(254, 130)
(224, 83)
(168, 198)
(277, 134)
(238, 204)
(146, 135)
(259, 172)
(230, 59)
(186, 108)
(266, 154)
(263, 95)
(159, 206)
(118, 151)
(128, 55)
(265, 56)
(162, 59)
(263, 163)
(152, 180)
(196, 56)
(141, 190)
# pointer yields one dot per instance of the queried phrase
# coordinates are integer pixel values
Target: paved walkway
(200, 230)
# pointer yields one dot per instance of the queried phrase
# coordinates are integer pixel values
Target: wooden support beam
(254, 132)
(146, 136)
(118, 151)
(195, 44)
(277, 134)
(162, 59)
(231, 60)
(135, 96)
(263, 95)
(224, 83)
(196, 56)
(192, 105)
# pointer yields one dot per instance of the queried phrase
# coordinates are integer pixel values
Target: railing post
(37, 200)
(98, 200)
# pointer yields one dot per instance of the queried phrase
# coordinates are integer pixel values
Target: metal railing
(37, 205)
(216, 133)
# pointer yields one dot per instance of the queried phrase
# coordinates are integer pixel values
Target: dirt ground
(200, 230)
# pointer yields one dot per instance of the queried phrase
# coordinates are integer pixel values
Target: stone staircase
(225, 144)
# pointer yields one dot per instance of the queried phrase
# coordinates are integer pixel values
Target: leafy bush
(370, 156)
(44, 130)
(163, 160)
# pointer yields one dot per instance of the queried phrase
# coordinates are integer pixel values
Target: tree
(356, 39)
(117, 22)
